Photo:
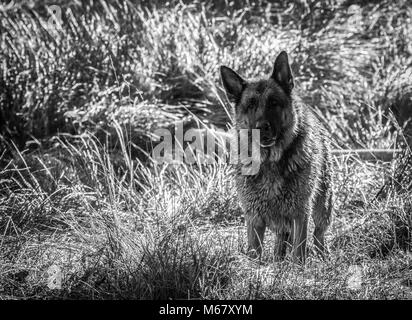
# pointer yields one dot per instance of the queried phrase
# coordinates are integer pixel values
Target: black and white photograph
(215, 150)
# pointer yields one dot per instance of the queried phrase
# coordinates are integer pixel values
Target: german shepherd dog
(294, 179)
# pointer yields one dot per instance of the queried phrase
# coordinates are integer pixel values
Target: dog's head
(265, 105)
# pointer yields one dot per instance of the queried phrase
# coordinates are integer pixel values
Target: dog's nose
(263, 125)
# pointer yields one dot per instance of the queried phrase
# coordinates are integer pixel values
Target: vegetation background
(86, 213)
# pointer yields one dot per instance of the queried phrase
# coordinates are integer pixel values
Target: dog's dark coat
(294, 178)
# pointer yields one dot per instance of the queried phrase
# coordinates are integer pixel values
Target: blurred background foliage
(149, 63)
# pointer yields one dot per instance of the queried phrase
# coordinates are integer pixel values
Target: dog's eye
(277, 107)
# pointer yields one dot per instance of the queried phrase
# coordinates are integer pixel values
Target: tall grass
(177, 232)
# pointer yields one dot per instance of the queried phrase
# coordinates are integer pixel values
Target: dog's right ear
(282, 73)
(233, 83)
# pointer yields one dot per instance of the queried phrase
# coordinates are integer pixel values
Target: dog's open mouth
(268, 144)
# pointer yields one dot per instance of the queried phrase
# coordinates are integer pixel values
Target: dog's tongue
(268, 143)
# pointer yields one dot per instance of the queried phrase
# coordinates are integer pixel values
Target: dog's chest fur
(284, 190)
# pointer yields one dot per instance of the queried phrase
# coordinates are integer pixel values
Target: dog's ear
(282, 73)
(233, 83)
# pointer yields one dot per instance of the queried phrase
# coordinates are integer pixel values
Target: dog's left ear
(233, 84)
(282, 73)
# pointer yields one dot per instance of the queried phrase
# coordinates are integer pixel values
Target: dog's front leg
(255, 233)
(299, 232)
